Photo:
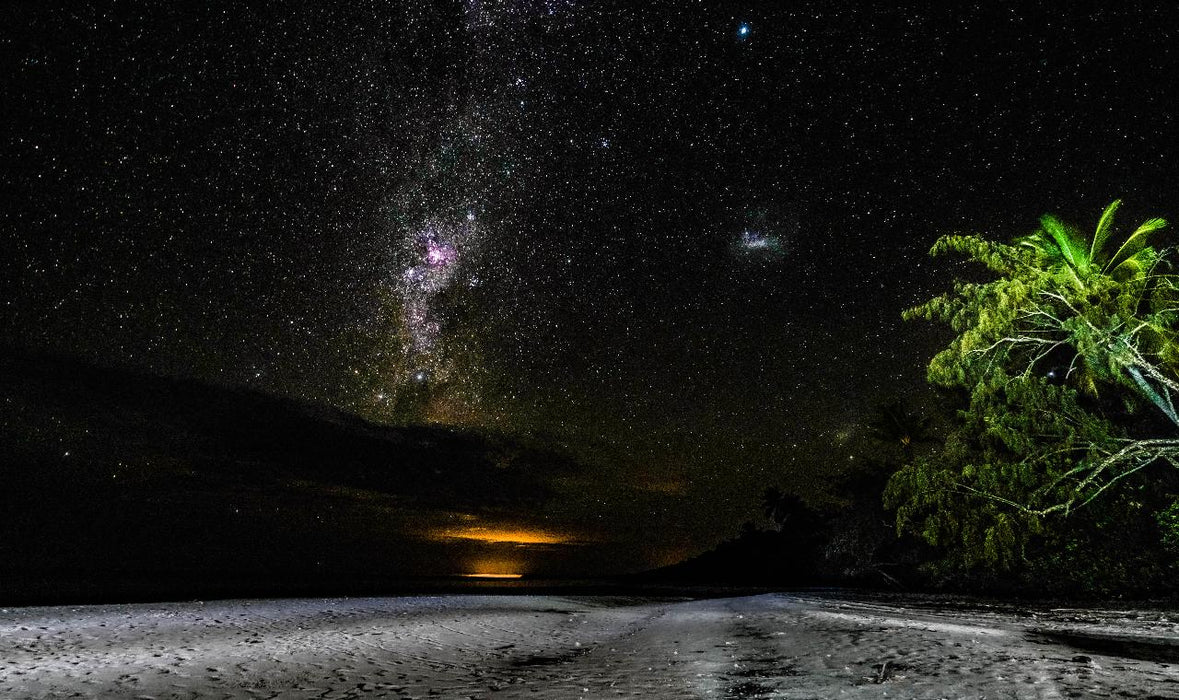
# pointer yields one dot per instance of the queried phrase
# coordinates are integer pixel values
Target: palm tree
(1064, 248)
(895, 424)
(1108, 287)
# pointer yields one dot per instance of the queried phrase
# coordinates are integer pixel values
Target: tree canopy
(1066, 363)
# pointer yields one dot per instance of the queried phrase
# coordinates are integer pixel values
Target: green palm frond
(1101, 235)
(1043, 245)
(1135, 243)
(1136, 265)
(1070, 244)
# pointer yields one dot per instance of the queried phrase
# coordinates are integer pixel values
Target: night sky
(674, 238)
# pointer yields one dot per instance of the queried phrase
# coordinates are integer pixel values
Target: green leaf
(1067, 241)
(1101, 235)
(1135, 243)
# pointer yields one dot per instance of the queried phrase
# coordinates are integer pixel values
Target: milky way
(452, 227)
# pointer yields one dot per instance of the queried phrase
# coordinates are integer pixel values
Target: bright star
(743, 30)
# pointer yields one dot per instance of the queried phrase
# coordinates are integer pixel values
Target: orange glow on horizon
(493, 575)
(502, 535)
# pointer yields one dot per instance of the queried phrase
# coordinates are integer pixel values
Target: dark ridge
(112, 480)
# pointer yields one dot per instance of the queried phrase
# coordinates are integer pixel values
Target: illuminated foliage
(1067, 365)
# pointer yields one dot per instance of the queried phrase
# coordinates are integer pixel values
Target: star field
(674, 237)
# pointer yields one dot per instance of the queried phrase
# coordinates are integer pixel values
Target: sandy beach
(471, 646)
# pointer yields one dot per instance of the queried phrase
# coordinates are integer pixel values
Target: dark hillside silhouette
(111, 480)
